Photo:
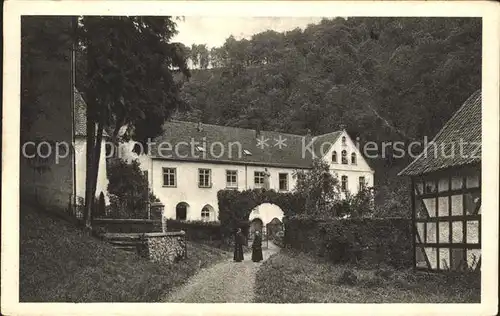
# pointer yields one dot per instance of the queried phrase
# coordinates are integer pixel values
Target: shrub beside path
(225, 282)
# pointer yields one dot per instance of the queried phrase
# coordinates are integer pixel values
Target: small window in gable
(353, 158)
(334, 156)
(344, 157)
(343, 141)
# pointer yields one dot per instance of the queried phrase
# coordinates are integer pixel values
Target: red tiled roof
(289, 155)
(462, 130)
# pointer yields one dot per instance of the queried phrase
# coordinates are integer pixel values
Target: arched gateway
(262, 215)
(239, 208)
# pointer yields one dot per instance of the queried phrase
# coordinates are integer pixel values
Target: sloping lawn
(294, 277)
(59, 264)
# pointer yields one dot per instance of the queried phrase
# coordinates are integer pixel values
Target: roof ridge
(465, 104)
(247, 129)
(330, 133)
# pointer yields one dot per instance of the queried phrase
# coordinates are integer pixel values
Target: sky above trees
(213, 31)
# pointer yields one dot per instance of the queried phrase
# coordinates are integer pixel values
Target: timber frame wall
(446, 209)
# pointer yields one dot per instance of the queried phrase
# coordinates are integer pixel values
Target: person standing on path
(257, 247)
(238, 246)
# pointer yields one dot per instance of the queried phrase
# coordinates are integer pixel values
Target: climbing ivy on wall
(235, 206)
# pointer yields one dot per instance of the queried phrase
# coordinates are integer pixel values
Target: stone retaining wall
(111, 225)
(163, 247)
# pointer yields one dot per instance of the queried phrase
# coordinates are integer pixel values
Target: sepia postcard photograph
(327, 157)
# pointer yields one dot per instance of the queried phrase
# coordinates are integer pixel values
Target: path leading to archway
(225, 282)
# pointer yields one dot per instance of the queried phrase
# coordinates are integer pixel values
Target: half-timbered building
(446, 194)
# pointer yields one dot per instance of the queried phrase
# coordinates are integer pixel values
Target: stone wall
(110, 225)
(163, 248)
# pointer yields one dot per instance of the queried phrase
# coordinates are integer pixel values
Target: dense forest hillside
(385, 79)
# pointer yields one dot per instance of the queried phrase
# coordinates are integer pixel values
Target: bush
(358, 240)
(128, 190)
(197, 230)
(278, 239)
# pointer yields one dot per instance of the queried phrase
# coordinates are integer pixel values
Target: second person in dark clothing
(257, 247)
(238, 246)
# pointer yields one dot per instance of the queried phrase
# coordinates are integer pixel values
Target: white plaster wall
(187, 189)
(353, 172)
(81, 167)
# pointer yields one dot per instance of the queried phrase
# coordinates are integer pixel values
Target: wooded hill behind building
(385, 79)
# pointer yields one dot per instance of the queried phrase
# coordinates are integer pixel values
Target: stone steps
(123, 241)
(126, 248)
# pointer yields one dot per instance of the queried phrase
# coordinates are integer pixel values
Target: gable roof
(464, 128)
(229, 143)
(80, 115)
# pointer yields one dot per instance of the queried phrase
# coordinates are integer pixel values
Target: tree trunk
(89, 184)
(97, 158)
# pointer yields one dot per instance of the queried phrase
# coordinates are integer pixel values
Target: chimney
(199, 128)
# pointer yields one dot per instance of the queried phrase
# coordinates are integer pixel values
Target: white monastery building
(191, 162)
(80, 147)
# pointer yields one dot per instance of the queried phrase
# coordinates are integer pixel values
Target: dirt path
(225, 282)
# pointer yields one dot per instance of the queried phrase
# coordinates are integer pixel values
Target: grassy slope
(280, 277)
(59, 264)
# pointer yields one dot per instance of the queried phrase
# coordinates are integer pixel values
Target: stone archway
(264, 213)
(236, 207)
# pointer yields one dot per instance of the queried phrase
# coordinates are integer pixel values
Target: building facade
(191, 162)
(80, 148)
(53, 125)
(47, 158)
(446, 194)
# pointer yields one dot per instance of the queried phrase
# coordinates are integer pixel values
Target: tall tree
(128, 190)
(128, 81)
(319, 188)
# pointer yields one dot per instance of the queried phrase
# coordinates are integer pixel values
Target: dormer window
(246, 152)
(334, 157)
(344, 157)
(353, 158)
